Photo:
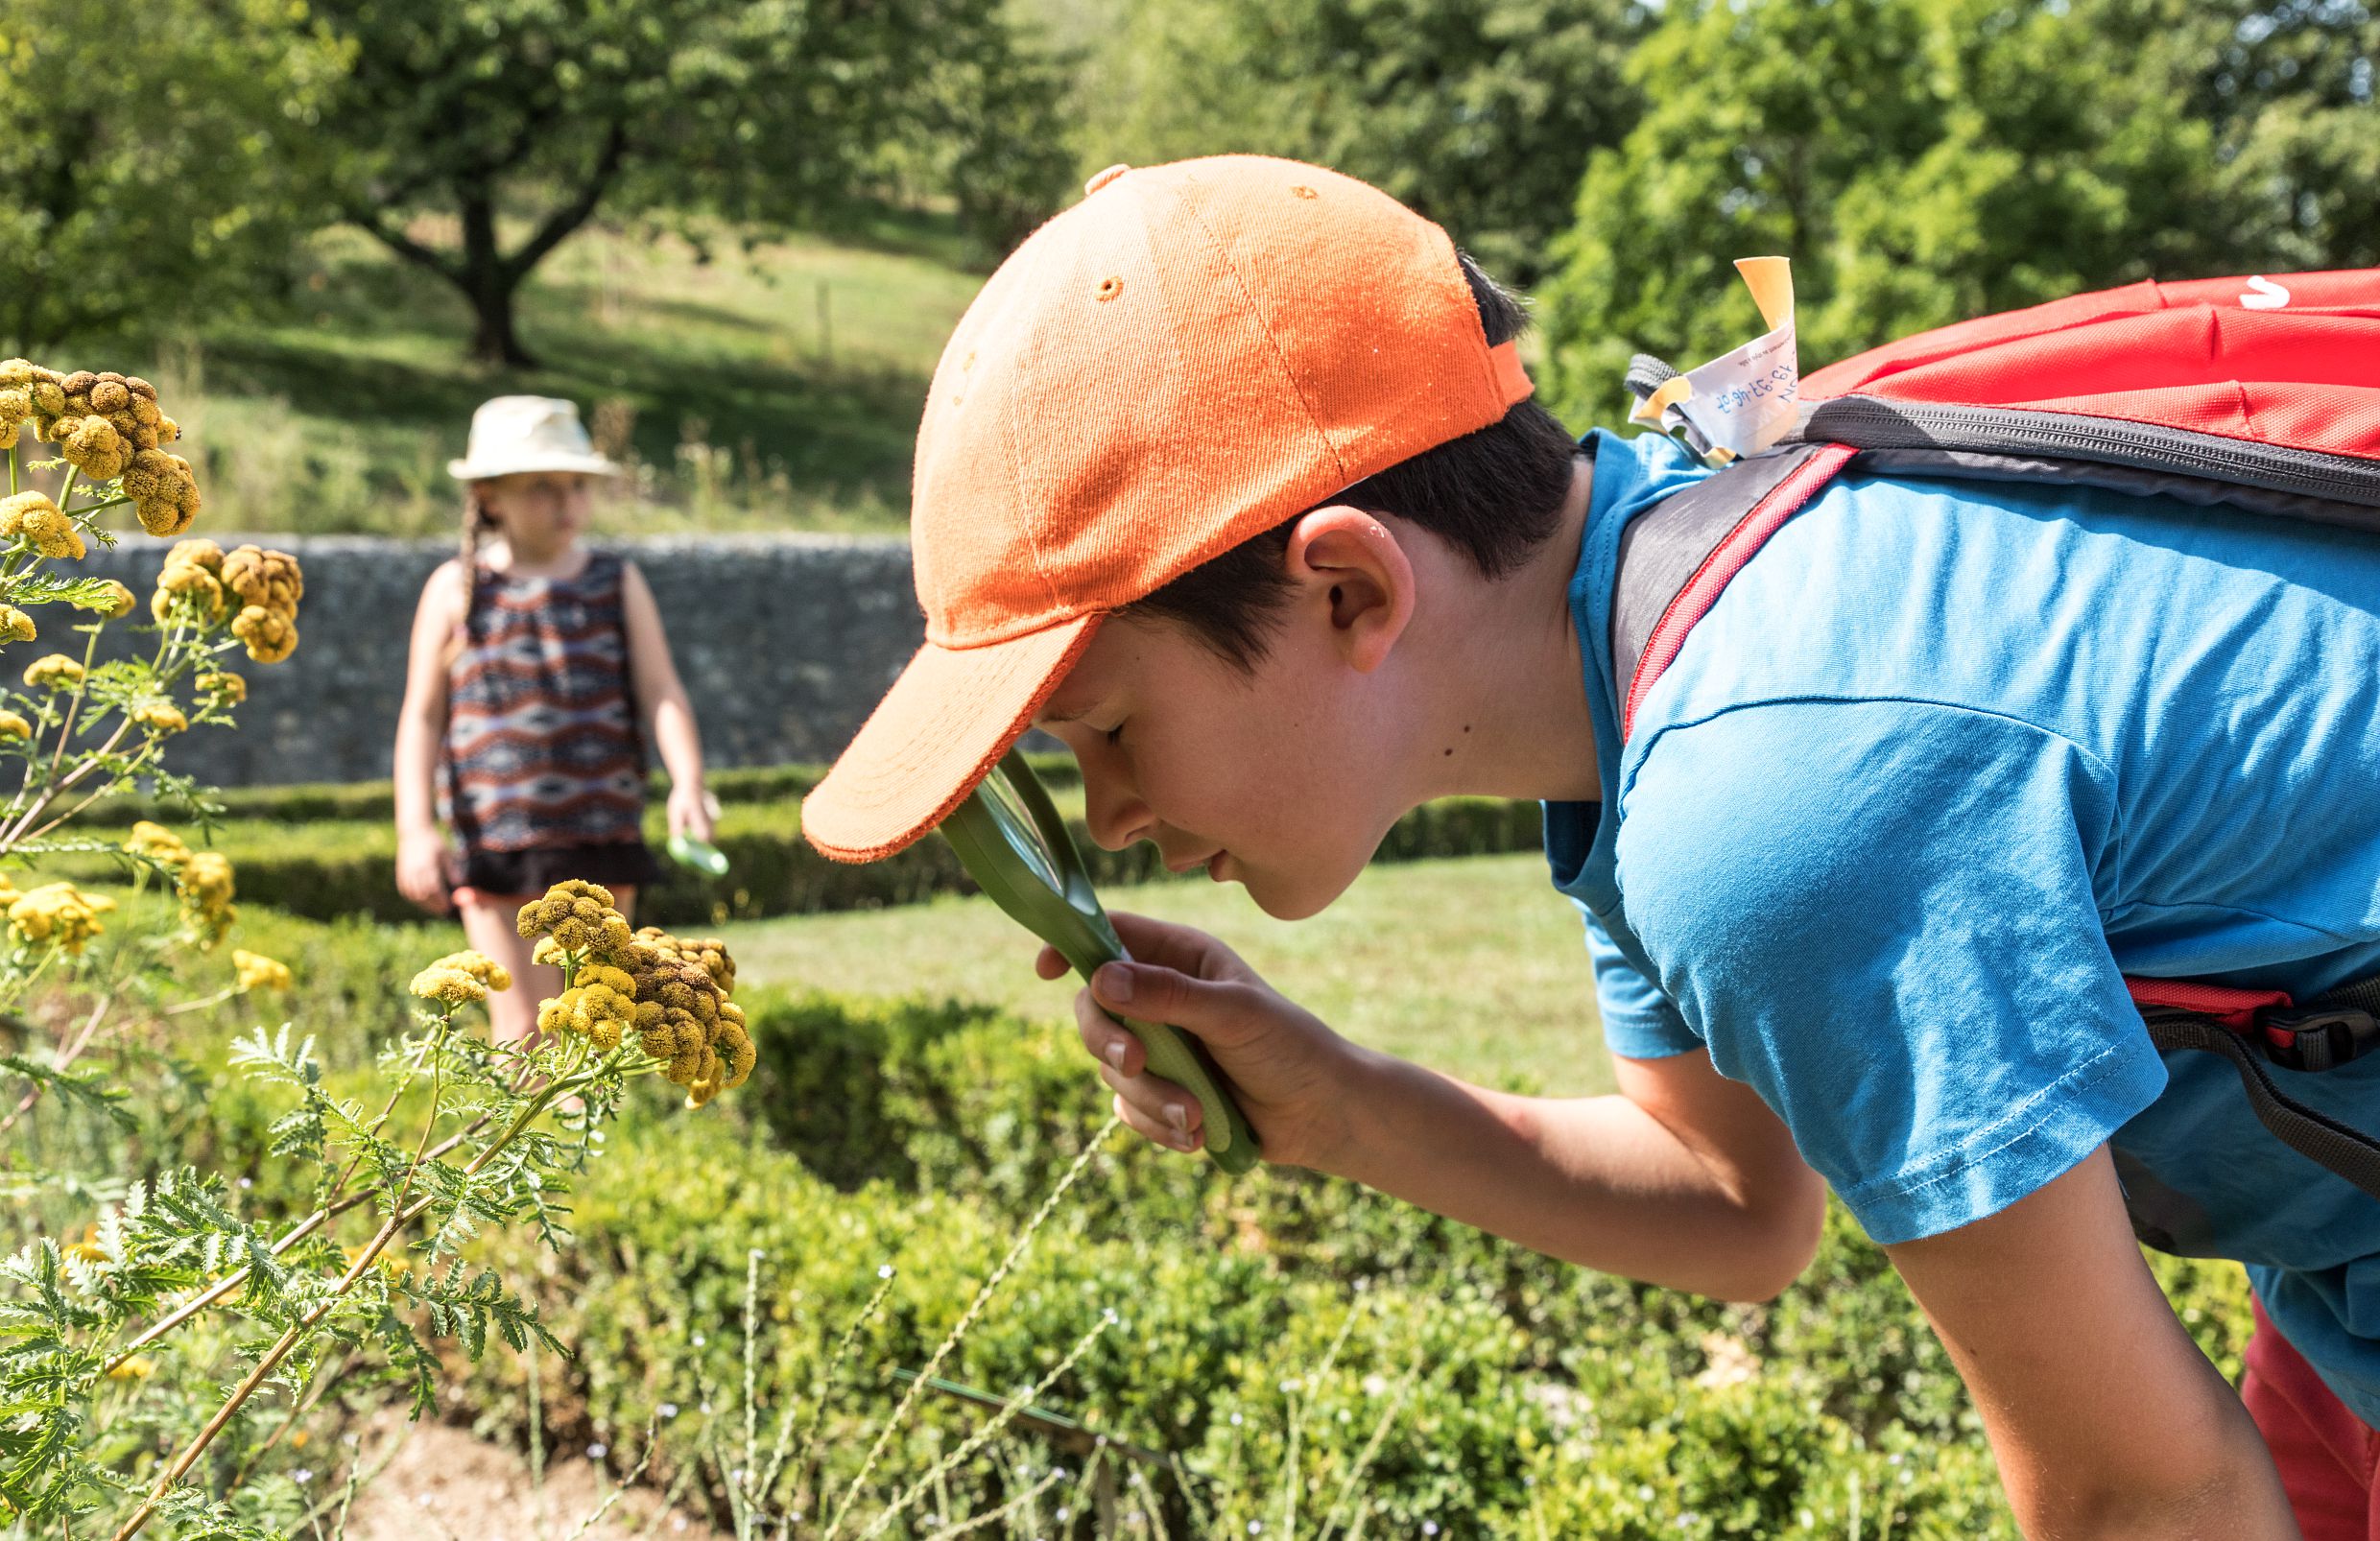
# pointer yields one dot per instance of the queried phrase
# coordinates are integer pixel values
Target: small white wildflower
(1062, 1513)
(700, 1339)
(1256, 1528)
(301, 1476)
(668, 1409)
(706, 1407)
(755, 1253)
(1429, 1527)
(884, 1270)
(1235, 1420)
(1644, 1494)
(598, 1452)
(247, 1183)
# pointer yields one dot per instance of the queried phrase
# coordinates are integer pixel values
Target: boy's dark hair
(1496, 495)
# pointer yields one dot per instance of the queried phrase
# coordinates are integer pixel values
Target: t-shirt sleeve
(1882, 916)
(1639, 1022)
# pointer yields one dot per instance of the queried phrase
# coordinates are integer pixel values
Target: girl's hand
(691, 810)
(1287, 1070)
(421, 869)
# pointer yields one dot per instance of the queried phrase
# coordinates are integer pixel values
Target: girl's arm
(669, 717)
(2106, 1420)
(420, 724)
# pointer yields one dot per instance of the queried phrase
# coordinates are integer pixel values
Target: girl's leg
(490, 921)
(2324, 1453)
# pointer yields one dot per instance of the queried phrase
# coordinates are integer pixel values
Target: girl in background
(539, 672)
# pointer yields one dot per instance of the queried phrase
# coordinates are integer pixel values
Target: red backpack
(2260, 393)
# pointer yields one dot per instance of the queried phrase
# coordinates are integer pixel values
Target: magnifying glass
(1015, 846)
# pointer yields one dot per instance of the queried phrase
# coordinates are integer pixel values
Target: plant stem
(364, 1258)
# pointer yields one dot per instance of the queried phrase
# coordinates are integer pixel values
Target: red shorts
(2327, 1456)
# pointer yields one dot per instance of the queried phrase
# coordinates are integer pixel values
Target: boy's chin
(1293, 897)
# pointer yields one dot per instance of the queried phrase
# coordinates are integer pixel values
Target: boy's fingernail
(1115, 1054)
(1179, 1116)
(1116, 983)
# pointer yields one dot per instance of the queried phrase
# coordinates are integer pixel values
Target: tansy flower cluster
(54, 671)
(56, 915)
(671, 994)
(460, 978)
(259, 589)
(257, 972)
(106, 425)
(42, 524)
(206, 887)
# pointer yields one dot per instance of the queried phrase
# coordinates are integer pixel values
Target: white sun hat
(515, 433)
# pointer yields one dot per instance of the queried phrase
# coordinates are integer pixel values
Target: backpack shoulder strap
(1677, 557)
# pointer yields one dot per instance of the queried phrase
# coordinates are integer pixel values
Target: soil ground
(444, 1485)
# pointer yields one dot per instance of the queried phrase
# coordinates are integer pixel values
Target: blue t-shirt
(1945, 761)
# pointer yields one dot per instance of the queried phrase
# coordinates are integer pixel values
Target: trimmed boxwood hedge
(328, 867)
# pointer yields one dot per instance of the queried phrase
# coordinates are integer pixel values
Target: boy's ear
(1350, 561)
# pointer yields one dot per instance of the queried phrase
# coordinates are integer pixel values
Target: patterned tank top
(542, 747)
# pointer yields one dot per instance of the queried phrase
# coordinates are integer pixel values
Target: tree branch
(376, 226)
(571, 215)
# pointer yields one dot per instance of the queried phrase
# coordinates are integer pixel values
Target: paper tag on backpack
(1745, 401)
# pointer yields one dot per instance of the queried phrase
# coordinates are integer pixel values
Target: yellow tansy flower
(257, 972)
(54, 671)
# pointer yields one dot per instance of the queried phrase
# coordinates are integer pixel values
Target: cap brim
(591, 465)
(940, 730)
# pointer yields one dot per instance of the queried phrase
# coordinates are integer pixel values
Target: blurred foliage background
(737, 232)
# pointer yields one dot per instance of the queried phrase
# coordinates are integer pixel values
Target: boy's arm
(1684, 1179)
(2106, 1419)
(661, 695)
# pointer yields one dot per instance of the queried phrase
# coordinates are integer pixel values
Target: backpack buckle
(2317, 1038)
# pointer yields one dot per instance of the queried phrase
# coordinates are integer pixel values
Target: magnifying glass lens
(1022, 834)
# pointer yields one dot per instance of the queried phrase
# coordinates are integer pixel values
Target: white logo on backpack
(2263, 294)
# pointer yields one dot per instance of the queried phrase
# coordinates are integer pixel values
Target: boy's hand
(1287, 1070)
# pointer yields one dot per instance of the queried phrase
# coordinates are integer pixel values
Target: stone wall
(785, 643)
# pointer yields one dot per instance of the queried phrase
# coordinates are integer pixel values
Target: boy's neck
(1508, 682)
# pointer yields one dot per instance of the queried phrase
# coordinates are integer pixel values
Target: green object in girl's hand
(1015, 845)
(699, 854)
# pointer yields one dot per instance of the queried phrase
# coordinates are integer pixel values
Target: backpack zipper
(1869, 423)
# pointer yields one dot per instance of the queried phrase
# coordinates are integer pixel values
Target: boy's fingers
(1214, 1009)
(1051, 963)
(1107, 1042)
(1165, 1134)
(1161, 1102)
(1184, 948)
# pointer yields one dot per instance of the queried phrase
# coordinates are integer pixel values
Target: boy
(1231, 480)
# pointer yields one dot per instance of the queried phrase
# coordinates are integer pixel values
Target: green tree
(513, 122)
(154, 159)
(1481, 113)
(1925, 161)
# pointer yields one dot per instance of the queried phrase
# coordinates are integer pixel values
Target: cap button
(1104, 177)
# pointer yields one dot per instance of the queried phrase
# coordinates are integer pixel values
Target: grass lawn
(1474, 966)
(775, 389)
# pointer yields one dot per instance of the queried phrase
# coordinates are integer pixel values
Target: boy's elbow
(1783, 1235)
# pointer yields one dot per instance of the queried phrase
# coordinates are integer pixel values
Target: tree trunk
(488, 282)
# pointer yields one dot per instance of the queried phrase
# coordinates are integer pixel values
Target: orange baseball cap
(1193, 354)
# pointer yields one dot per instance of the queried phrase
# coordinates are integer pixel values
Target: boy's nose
(1114, 815)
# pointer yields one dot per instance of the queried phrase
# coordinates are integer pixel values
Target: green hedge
(329, 868)
(921, 1134)
(375, 802)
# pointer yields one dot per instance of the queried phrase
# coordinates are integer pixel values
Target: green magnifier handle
(1012, 841)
